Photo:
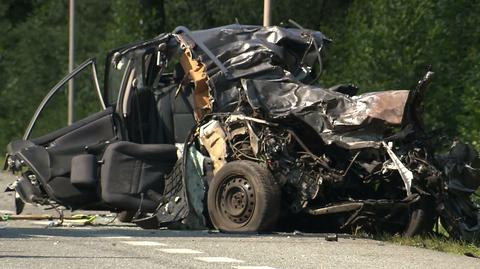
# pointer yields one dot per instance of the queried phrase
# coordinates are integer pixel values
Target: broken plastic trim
(407, 175)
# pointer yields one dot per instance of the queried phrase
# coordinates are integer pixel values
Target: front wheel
(243, 197)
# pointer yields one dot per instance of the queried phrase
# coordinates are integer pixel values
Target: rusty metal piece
(196, 70)
(387, 106)
(334, 209)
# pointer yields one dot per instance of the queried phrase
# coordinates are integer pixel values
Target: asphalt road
(32, 244)
(22, 245)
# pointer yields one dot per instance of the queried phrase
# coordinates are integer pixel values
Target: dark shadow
(99, 232)
(65, 257)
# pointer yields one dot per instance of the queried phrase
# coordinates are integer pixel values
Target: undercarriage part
(384, 215)
(334, 209)
(414, 215)
(174, 206)
(243, 197)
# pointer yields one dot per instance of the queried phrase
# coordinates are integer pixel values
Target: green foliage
(388, 44)
(377, 45)
(27, 71)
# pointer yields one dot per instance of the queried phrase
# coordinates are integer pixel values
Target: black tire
(125, 216)
(422, 218)
(243, 197)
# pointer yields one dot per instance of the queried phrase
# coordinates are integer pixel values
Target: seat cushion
(130, 170)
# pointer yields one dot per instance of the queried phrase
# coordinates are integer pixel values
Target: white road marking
(111, 236)
(180, 251)
(143, 243)
(218, 259)
(253, 267)
(41, 222)
(39, 235)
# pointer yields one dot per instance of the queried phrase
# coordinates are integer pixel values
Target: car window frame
(58, 86)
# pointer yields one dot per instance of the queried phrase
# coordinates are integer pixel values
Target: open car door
(65, 161)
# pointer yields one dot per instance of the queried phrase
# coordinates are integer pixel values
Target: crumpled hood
(271, 67)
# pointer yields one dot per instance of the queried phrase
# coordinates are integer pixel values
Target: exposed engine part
(213, 138)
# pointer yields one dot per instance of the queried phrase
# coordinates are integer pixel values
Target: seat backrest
(142, 122)
(130, 171)
(163, 99)
(183, 117)
(175, 113)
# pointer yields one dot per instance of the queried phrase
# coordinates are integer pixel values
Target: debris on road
(54, 221)
(331, 237)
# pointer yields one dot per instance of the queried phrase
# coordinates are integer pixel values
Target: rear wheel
(422, 218)
(243, 197)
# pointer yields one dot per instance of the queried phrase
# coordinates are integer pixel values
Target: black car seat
(132, 175)
(182, 110)
(175, 109)
(142, 122)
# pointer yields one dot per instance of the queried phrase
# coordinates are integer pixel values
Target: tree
(376, 44)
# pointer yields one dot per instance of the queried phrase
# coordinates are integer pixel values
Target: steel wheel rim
(236, 200)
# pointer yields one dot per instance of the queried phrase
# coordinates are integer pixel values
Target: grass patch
(2, 162)
(439, 243)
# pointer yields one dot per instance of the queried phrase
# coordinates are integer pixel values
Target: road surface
(33, 244)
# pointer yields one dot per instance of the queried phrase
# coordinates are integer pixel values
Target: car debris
(53, 221)
(331, 237)
(227, 128)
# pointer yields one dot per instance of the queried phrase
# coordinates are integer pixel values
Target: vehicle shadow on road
(64, 257)
(126, 232)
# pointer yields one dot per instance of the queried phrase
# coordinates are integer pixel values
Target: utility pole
(71, 57)
(266, 13)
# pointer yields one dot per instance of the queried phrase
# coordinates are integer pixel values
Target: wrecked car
(227, 128)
